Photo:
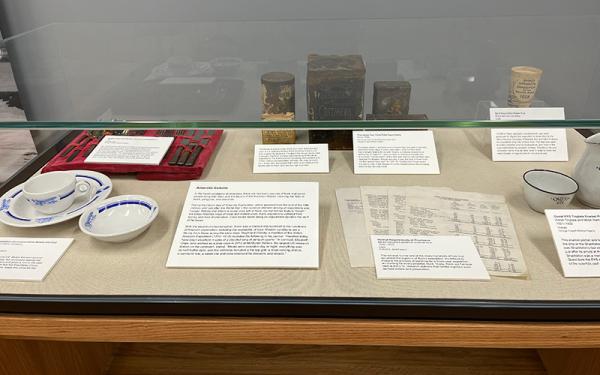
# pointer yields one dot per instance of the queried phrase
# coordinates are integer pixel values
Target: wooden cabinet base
(32, 345)
(54, 358)
(571, 361)
(188, 359)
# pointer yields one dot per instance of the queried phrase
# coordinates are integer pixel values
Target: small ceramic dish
(545, 189)
(120, 218)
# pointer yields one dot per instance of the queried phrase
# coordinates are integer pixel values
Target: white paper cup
(53, 192)
(545, 189)
(524, 81)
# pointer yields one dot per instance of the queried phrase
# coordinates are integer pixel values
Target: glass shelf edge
(383, 124)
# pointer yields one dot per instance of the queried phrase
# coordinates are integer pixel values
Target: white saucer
(17, 212)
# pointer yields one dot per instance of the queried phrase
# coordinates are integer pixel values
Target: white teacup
(545, 189)
(54, 192)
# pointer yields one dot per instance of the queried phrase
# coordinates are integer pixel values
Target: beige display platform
(138, 267)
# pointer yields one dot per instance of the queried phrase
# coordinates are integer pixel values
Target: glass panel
(391, 124)
(136, 269)
(458, 67)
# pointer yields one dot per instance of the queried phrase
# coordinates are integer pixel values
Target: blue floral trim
(5, 205)
(43, 202)
(51, 200)
(89, 220)
(46, 219)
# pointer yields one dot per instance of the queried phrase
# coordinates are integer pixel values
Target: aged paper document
(353, 223)
(375, 206)
(485, 218)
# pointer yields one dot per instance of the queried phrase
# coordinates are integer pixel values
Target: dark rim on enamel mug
(550, 171)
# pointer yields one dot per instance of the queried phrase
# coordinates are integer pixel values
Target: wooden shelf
(301, 331)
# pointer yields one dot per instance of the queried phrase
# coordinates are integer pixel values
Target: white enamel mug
(545, 189)
(53, 192)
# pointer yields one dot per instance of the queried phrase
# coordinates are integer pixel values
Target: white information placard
(576, 235)
(535, 113)
(248, 225)
(395, 152)
(130, 150)
(529, 144)
(293, 158)
(427, 257)
(30, 259)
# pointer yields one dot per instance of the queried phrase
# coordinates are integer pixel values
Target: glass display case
(219, 79)
(95, 276)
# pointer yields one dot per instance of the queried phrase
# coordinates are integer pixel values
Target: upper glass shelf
(428, 124)
(157, 66)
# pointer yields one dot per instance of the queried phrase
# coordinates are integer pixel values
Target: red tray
(74, 154)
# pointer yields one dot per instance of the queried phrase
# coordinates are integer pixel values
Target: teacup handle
(83, 189)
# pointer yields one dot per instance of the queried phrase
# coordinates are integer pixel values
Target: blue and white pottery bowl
(120, 218)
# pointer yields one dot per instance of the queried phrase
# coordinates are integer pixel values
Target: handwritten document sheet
(485, 218)
(576, 236)
(427, 257)
(376, 211)
(248, 225)
(426, 211)
(353, 223)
